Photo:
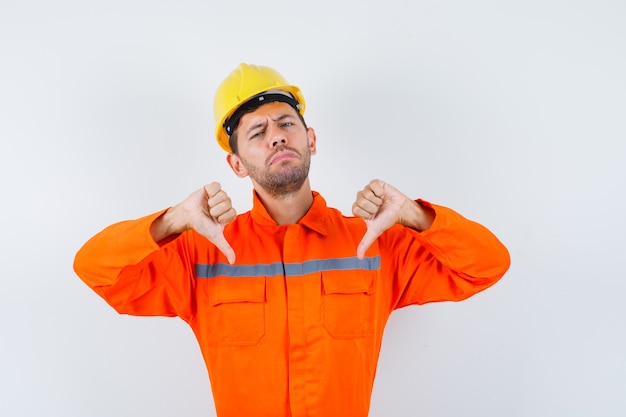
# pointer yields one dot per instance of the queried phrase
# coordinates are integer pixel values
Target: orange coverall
(294, 328)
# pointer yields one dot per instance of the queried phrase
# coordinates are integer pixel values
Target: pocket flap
(348, 282)
(238, 290)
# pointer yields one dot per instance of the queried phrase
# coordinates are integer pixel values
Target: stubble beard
(287, 180)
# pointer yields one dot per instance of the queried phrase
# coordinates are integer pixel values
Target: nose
(277, 137)
(276, 141)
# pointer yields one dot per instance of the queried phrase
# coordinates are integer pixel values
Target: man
(288, 301)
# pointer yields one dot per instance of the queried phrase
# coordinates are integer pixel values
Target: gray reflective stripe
(292, 270)
(227, 270)
(336, 264)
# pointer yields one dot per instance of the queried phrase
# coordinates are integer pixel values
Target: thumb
(222, 244)
(368, 238)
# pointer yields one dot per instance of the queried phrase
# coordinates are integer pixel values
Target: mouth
(282, 155)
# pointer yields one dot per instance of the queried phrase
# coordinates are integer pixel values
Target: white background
(511, 112)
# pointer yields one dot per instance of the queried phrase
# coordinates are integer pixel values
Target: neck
(289, 208)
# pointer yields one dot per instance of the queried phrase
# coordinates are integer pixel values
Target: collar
(314, 219)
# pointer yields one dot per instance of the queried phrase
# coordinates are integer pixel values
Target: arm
(101, 259)
(451, 261)
(437, 255)
(130, 249)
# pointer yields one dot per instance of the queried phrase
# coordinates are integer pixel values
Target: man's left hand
(381, 206)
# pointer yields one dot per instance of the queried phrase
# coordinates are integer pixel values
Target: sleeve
(136, 275)
(451, 261)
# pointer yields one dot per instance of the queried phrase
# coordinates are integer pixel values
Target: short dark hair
(232, 140)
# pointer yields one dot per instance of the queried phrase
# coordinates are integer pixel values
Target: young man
(288, 301)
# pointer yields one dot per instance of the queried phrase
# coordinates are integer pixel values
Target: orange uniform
(294, 327)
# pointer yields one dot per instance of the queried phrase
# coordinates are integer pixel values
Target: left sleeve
(451, 261)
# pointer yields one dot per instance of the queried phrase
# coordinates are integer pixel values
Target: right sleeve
(136, 275)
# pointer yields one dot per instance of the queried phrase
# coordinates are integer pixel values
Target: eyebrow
(282, 117)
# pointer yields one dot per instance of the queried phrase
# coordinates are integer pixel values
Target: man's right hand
(206, 211)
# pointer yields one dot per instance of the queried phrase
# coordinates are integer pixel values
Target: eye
(257, 134)
(287, 124)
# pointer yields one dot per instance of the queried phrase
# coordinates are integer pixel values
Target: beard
(285, 181)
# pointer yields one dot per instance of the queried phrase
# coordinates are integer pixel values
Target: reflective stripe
(227, 270)
(292, 270)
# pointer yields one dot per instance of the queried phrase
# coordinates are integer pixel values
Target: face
(274, 149)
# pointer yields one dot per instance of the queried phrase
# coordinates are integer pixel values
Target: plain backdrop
(511, 112)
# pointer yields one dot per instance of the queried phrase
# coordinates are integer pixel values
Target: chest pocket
(348, 303)
(237, 311)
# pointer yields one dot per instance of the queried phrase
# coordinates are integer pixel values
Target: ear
(312, 140)
(236, 165)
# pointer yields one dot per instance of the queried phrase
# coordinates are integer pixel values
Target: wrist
(417, 216)
(171, 222)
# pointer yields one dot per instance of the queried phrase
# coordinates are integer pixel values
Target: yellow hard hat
(245, 83)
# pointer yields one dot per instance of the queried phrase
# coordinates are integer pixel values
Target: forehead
(272, 110)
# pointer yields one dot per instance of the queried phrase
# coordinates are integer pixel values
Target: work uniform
(294, 327)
